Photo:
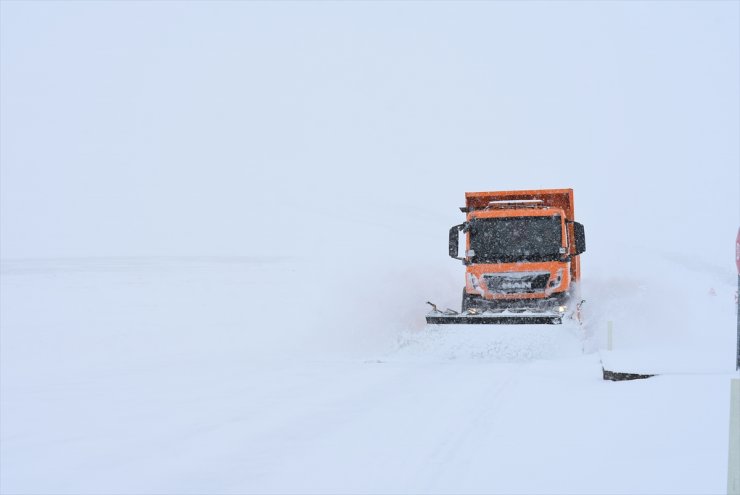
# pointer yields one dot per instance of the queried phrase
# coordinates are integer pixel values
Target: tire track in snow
(452, 455)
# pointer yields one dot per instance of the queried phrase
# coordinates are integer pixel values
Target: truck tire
(468, 301)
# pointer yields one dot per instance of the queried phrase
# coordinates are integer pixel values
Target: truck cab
(521, 252)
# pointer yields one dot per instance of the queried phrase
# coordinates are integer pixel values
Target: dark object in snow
(618, 376)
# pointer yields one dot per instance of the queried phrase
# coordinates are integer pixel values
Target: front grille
(517, 283)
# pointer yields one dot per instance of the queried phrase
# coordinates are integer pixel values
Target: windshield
(515, 239)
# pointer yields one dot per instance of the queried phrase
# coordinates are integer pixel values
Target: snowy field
(220, 223)
(188, 375)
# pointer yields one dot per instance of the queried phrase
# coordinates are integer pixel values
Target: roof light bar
(515, 201)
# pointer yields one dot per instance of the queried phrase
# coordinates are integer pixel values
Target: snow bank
(504, 343)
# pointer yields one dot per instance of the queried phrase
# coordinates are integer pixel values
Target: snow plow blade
(502, 319)
(505, 317)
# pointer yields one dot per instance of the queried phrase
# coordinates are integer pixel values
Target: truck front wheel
(468, 301)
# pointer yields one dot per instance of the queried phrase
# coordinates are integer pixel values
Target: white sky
(241, 128)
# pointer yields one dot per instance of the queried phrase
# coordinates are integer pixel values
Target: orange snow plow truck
(522, 258)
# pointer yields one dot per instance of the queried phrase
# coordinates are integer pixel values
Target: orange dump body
(528, 279)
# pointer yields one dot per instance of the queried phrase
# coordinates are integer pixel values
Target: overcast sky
(247, 128)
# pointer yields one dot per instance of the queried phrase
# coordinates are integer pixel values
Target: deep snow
(169, 375)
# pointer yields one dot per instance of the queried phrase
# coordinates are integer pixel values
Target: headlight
(475, 283)
(555, 282)
(561, 309)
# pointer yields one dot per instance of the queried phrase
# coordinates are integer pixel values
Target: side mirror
(580, 238)
(455, 241)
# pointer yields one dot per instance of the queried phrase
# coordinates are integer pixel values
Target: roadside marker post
(733, 457)
(737, 299)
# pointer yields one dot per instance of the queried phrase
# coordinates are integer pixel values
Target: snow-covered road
(177, 376)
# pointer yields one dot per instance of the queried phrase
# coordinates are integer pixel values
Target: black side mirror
(580, 235)
(454, 240)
